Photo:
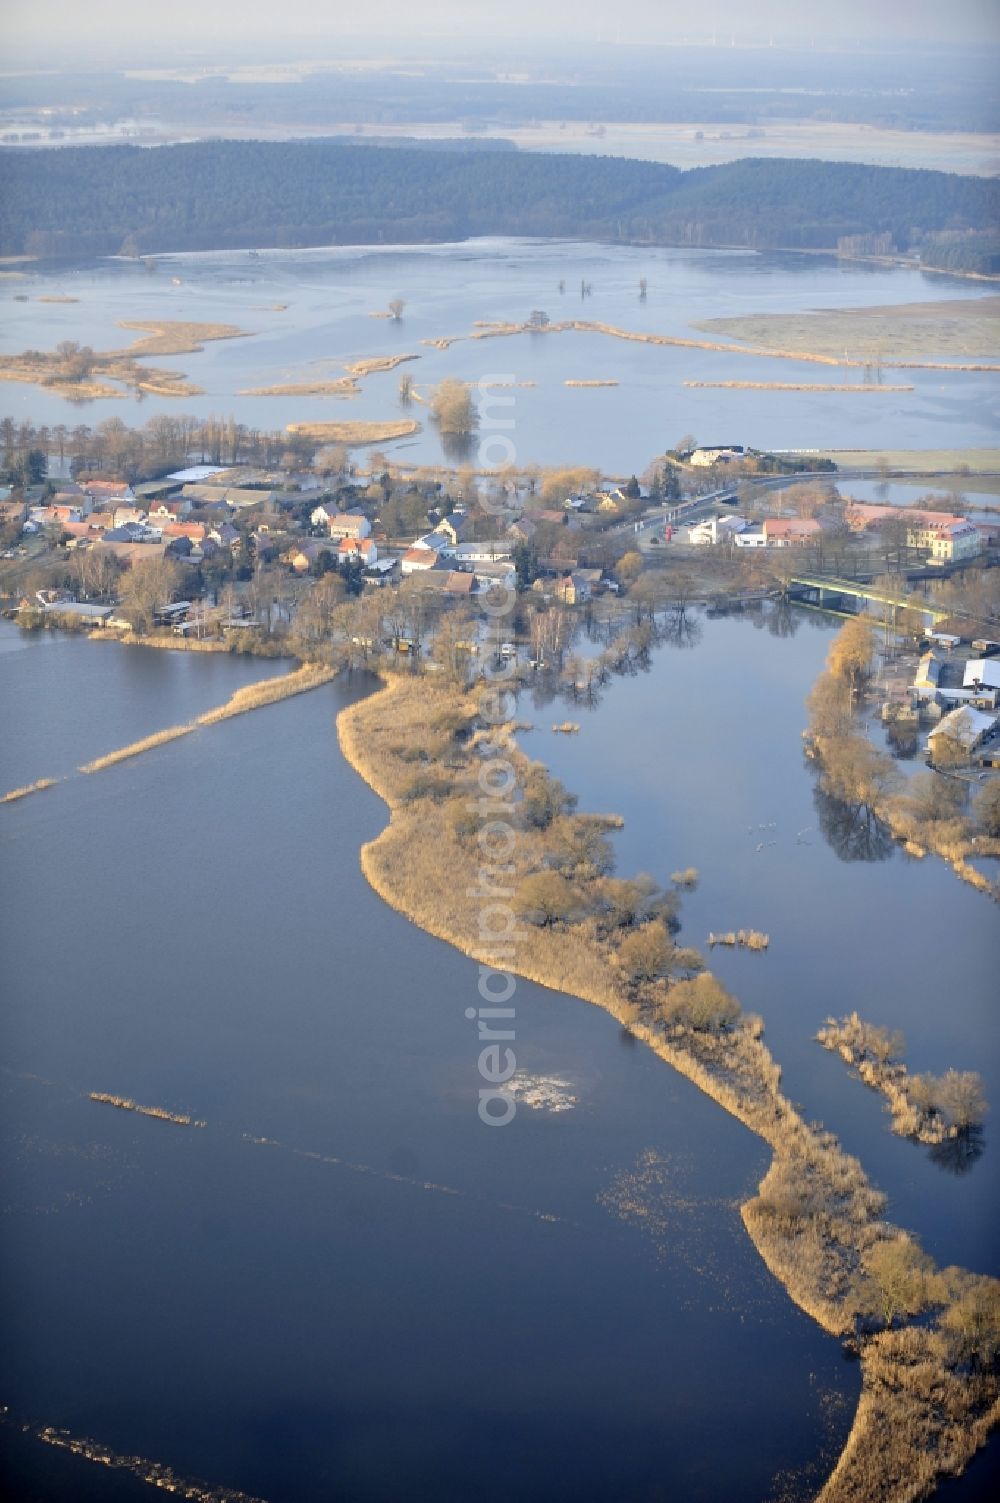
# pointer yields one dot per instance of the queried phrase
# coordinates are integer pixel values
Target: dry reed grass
(36, 787)
(266, 691)
(374, 364)
(136, 748)
(815, 1217)
(126, 1104)
(796, 386)
(269, 691)
(337, 386)
(356, 434)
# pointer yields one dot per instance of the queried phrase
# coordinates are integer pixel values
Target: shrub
(701, 1003)
(545, 899)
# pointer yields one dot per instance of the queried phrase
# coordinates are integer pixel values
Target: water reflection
(852, 831)
(957, 1155)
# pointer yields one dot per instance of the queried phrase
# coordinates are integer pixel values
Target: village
(251, 556)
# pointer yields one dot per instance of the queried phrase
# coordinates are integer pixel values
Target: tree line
(76, 201)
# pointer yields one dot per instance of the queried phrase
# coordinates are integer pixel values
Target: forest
(74, 201)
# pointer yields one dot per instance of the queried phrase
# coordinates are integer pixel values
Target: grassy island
(930, 1392)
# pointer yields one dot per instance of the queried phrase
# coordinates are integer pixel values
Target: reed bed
(566, 728)
(173, 336)
(356, 434)
(590, 383)
(843, 386)
(126, 1104)
(373, 365)
(38, 786)
(758, 351)
(815, 1220)
(268, 691)
(337, 386)
(746, 939)
(136, 748)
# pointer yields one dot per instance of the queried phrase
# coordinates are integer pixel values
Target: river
(308, 313)
(385, 1298)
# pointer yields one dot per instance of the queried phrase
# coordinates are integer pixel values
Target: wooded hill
(232, 194)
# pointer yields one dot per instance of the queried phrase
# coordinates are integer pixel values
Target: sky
(397, 23)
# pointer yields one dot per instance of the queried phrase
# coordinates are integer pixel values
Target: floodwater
(702, 755)
(329, 294)
(344, 1285)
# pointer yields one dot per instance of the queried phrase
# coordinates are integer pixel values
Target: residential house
(722, 454)
(965, 727)
(126, 513)
(950, 542)
(789, 532)
(225, 535)
(108, 492)
(349, 549)
(169, 511)
(348, 524)
(196, 532)
(418, 560)
(572, 589)
(302, 558)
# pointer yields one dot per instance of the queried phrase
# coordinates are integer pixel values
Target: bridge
(829, 585)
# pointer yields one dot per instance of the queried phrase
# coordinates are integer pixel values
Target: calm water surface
(384, 1299)
(702, 756)
(328, 295)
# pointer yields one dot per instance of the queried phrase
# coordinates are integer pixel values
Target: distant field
(918, 461)
(910, 331)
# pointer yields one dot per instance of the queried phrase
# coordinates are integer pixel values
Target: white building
(966, 727)
(715, 530)
(982, 673)
(346, 524)
(723, 455)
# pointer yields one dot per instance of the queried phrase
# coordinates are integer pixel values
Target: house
(459, 584)
(126, 513)
(225, 535)
(302, 559)
(486, 552)
(349, 549)
(195, 531)
(53, 516)
(417, 560)
(572, 589)
(965, 727)
(944, 537)
(169, 511)
(576, 503)
(523, 530)
(714, 530)
(323, 513)
(453, 528)
(347, 524)
(105, 491)
(723, 454)
(789, 532)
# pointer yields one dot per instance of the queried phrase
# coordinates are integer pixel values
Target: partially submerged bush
(701, 1003)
